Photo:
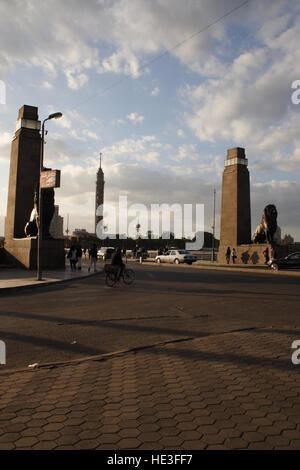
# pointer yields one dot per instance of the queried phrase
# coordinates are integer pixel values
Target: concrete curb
(230, 268)
(16, 289)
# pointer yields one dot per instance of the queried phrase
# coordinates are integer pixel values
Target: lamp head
(55, 116)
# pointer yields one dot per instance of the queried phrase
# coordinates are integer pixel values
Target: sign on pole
(50, 179)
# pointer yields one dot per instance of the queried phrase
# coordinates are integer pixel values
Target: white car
(105, 252)
(176, 256)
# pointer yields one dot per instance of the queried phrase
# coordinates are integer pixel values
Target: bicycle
(127, 275)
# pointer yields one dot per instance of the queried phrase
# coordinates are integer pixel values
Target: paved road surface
(166, 302)
(217, 373)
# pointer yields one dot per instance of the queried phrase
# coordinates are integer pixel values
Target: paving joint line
(106, 356)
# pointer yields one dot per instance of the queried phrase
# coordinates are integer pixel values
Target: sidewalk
(12, 279)
(237, 390)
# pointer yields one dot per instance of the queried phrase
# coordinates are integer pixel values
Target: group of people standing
(75, 256)
(268, 254)
(232, 254)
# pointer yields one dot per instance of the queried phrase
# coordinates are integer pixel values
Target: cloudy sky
(162, 88)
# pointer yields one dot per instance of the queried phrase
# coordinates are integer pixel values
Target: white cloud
(46, 85)
(135, 118)
(76, 81)
(186, 151)
(5, 144)
(90, 134)
(155, 91)
(139, 150)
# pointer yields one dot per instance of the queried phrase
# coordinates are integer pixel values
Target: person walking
(233, 254)
(228, 253)
(79, 256)
(93, 258)
(266, 255)
(72, 255)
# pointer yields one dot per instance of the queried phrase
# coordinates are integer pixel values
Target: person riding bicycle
(116, 260)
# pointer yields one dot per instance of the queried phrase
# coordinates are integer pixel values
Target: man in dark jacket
(116, 260)
(93, 258)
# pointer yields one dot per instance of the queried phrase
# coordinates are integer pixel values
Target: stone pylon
(23, 181)
(236, 211)
(24, 171)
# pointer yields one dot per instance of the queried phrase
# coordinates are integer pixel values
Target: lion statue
(48, 209)
(268, 231)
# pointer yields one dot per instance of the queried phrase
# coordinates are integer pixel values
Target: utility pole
(213, 227)
(67, 231)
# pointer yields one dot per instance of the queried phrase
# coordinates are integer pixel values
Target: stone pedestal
(22, 252)
(252, 253)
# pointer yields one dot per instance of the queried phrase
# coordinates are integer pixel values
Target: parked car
(105, 252)
(177, 257)
(290, 261)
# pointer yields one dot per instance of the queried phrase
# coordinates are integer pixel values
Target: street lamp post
(213, 227)
(40, 205)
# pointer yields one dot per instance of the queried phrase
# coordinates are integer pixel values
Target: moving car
(177, 257)
(105, 252)
(290, 261)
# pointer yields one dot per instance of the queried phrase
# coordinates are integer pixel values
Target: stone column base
(252, 253)
(22, 252)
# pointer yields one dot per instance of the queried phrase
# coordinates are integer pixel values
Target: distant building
(80, 233)
(99, 199)
(57, 224)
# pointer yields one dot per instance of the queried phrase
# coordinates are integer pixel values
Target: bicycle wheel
(110, 279)
(128, 276)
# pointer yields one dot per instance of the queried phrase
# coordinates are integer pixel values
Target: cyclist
(116, 260)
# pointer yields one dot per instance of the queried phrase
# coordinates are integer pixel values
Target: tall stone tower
(24, 171)
(99, 199)
(236, 212)
(24, 179)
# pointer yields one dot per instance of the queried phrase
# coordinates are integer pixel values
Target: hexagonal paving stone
(129, 443)
(49, 436)
(9, 437)
(90, 444)
(109, 438)
(67, 440)
(129, 432)
(45, 445)
(32, 432)
(26, 442)
(150, 436)
(91, 434)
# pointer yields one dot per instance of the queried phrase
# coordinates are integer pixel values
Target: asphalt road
(165, 303)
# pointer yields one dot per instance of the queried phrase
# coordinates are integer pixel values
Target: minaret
(99, 192)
